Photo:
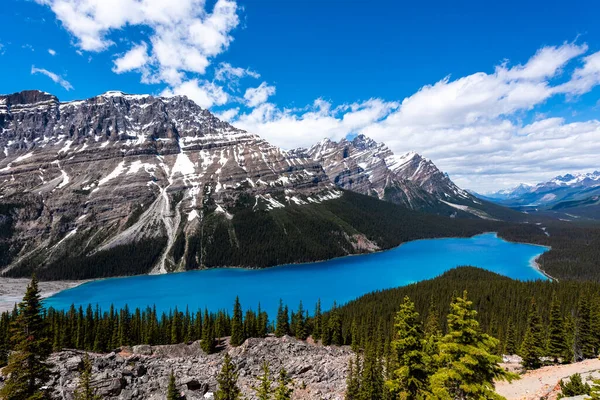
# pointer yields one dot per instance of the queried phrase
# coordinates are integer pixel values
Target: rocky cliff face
(142, 372)
(365, 166)
(118, 169)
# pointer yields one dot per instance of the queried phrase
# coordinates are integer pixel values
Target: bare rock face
(365, 166)
(317, 372)
(81, 177)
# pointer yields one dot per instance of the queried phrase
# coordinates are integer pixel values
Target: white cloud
(183, 36)
(468, 126)
(56, 78)
(259, 95)
(134, 59)
(52, 52)
(228, 115)
(205, 94)
(226, 72)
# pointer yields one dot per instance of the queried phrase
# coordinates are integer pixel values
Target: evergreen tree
(208, 334)
(334, 326)
(353, 380)
(410, 375)
(85, 391)
(172, 388)
(300, 323)
(432, 325)
(531, 348)
(237, 324)
(283, 391)
(227, 381)
(371, 379)
(575, 387)
(283, 325)
(317, 324)
(510, 341)
(467, 366)
(27, 367)
(557, 344)
(584, 337)
(264, 390)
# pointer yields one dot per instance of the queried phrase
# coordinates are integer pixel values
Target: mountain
(124, 184)
(367, 167)
(567, 196)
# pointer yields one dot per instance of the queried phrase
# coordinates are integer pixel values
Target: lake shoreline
(15, 287)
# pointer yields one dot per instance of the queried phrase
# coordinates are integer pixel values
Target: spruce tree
(264, 390)
(467, 365)
(531, 348)
(237, 324)
(510, 341)
(208, 334)
(300, 323)
(371, 379)
(575, 387)
(283, 326)
(410, 376)
(584, 338)
(227, 381)
(334, 326)
(172, 388)
(283, 391)
(27, 367)
(85, 391)
(557, 344)
(353, 380)
(318, 325)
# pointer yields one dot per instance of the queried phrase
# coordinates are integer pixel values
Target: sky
(494, 94)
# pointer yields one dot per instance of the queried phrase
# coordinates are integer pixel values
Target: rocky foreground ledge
(141, 372)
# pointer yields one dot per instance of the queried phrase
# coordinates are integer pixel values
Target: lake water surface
(340, 280)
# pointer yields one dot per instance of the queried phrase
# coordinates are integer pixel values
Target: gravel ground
(12, 290)
(544, 381)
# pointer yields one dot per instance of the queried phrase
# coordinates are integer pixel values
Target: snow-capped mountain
(88, 176)
(365, 166)
(569, 187)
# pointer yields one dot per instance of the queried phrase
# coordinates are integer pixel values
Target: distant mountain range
(122, 184)
(568, 196)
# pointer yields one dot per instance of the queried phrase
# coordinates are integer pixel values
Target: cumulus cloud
(52, 52)
(205, 94)
(55, 77)
(468, 126)
(133, 60)
(183, 36)
(259, 95)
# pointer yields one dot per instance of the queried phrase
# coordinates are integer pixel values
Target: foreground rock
(142, 372)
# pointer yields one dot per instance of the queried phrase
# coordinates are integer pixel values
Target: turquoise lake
(341, 279)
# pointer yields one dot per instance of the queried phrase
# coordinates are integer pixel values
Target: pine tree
(283, 326)
(334, 326)
(557, 344)
(264, 390)
(531, 348)
(432, 325)
(318, 326)
(172, 388)
(27, 367)
(85, 391)
(300, 323)
(467, 366)
(410, 375)
(208, 334)
(237, 324)
(510, 341)
(283, 391)
(371, 379)
(227, 381)
(353, 380)
(575, 387)
(584, 338)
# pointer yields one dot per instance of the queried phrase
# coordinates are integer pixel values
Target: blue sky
(494, 94)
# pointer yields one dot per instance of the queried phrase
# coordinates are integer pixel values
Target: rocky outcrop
(142, 372)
